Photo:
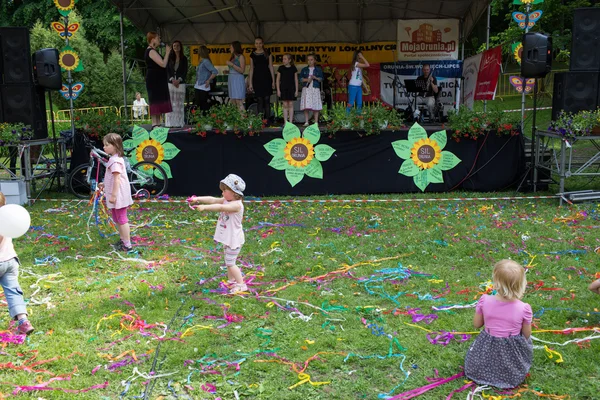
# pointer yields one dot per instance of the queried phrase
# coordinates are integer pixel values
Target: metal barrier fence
(505, 89)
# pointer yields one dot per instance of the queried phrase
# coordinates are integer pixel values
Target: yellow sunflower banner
(298, 154)
(65, 6)
(153, 147)
(424, 158)
(517, 51)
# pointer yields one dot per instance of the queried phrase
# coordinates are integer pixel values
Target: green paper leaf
(416, 132)
(409, 168)
(435, 175)
(79, 67)
(312, 133)
(139, 134)
(440, 137)
(421, 180)
(314, 169)
(448, 161)
(294, 175)
(275, 147)
(402, 148)
(167, 169)
(290, 131)
(64, 13)
(160, 134)
(129, 144)
(279, 163)
(323, 152)
(170, 151)
(132, 159)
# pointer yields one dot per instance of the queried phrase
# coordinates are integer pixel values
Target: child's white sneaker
(238, 288)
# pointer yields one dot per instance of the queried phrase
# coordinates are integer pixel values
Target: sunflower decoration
(69, 60)
(298, 154)
(152, 147)
(424, 158)
(65, 6)
(517, 51)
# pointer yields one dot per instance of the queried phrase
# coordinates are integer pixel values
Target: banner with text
(427, 39)
(326, 53)
(470, 72)
(489, 71)
(447, 74)
(338, 76)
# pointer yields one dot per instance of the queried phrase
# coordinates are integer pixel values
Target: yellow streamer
(305, 378)
(190, 331)
(551, 354)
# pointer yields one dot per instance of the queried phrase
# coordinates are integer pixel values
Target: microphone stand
(395, 81)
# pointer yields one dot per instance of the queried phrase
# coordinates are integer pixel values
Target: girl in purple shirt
(502, 353)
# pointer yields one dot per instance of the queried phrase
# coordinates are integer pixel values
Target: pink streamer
(419, 391)
(44, 386)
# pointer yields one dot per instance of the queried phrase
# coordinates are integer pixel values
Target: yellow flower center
(150, 150)
(426, 153)
(299, 152)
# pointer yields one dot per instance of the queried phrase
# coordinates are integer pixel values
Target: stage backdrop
(487, 77)
(446, 72)
(347, 163)
(470, 72)
(338, 76)
(427, 39)
(326, 53)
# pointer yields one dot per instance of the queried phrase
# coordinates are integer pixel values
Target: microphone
(162, 44)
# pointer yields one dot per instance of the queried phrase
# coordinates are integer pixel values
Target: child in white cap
(229, 226)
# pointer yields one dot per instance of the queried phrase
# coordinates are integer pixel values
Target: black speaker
(16, 55)
(46, 71)
(575, 91)
(25, 103)
(585, 46)
(536, 60)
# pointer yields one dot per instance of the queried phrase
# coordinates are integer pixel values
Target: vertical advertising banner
(489, 70)
(470, 72)
(338, 76)
(447, 73)
(427, 39)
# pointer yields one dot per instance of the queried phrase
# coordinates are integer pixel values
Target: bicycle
(146, 177)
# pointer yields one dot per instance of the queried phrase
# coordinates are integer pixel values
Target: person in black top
(430, 89)
(287, 86)
(261, 78)
(156, 79)
(177, 69)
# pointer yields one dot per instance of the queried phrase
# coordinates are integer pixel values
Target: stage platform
(359, 164)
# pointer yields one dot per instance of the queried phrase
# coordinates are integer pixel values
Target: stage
(359, 164)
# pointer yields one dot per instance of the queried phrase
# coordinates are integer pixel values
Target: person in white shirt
(356, 81)
(139, 106)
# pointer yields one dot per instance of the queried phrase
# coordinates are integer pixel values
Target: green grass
(455, 242)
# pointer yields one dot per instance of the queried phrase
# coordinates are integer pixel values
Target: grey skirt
(502, 362)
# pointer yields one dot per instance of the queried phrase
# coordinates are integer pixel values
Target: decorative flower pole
(68, 58)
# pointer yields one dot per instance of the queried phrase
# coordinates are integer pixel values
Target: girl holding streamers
(311, 77)
(236, 82)
(117, 190)
(229, 230)
(502, 353)
(9, 279)
(287, 86)
(356, 81)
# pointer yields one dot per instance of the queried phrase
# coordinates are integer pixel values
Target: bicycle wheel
(78, 181)
(148, 176)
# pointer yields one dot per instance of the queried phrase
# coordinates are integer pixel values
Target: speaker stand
(531, 171)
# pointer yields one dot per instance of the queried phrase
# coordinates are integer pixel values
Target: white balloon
(14, 221)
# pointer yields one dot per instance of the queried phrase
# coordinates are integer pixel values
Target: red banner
(489, 70)
(338, 76)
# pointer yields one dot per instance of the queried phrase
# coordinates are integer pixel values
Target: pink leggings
(119, 215)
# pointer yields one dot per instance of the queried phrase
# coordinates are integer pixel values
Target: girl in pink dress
(502, 353)
(117, 190)
(229, 226)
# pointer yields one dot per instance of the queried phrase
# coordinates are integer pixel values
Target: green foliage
(571, 125)
(228, 117)
(98, 123)
(373, 118)
(470, 124)
(13, 133)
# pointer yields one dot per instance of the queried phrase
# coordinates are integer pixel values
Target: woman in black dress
(262, 77)
(156, 79)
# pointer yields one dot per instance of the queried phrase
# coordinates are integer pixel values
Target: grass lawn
(334, 288)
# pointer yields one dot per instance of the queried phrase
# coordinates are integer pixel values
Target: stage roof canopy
(279, 21)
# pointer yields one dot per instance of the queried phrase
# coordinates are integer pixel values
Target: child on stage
(502, 353)
(287, 86)
(9, 279)
(229, 226)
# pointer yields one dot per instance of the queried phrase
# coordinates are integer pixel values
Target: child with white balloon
(14, 222)
(117, 190)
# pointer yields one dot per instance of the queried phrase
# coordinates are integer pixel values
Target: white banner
(427, 39)
(470, 72)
